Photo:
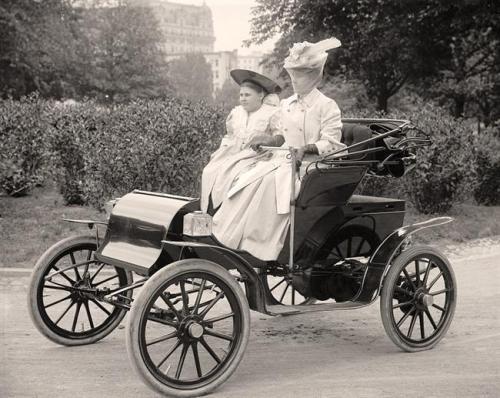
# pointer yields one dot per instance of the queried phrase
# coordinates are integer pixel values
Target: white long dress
(255, 217)
(230, 158)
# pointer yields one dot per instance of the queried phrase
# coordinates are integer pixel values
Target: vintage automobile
(189, 325)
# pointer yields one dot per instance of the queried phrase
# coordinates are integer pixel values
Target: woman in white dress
(255, 217)
(249, 121)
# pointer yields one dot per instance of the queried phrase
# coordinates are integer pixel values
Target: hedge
(96, 152)
(24, 149)
(150, 145)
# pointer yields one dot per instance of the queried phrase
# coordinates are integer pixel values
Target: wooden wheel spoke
(167, 301)
(427, 272)
(162, 338)
(198, 297)
(440, 292)
(417, 273)
(99, 305)
(89, 316)
(97, 272)
(408, 278)
(57, 301)
(172, 350)
(412, 325)
(422, 326)
(349, 246)
(64, 313)
(279, 283)
(339, 252)
(77, 313)
(402, 304)
(194, 347)
(435, 280)
(293, 295)
(219, 335)
(438, 307)
(219, 318)
(431, 320)
(73, 261)
(210, 351)
(404, 317)
(106, 280)
(180, 365)
(212, 303)
(360, 246)
(58, 286)
(64, 275)
(185, 299)
(284, 291)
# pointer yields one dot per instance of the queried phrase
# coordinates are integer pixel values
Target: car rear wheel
(418, 298)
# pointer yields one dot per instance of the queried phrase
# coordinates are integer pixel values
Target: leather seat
(352, 134)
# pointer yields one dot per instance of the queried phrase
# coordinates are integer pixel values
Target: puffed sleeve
(228, 139)
(330, 129)
(275, 126)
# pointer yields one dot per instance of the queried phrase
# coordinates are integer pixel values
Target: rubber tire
(386, 297)
(140, 304)
(39, 270)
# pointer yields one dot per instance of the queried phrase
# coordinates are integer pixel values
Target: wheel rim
(352, 241)
(422, 299)
(190, 330)
(68, 301)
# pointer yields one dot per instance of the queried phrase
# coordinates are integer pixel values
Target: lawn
(31, 224)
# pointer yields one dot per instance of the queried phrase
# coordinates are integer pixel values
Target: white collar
(309, 99)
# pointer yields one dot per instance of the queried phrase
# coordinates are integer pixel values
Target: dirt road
(332, 354)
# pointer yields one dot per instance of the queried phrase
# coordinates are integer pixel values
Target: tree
(36, 43)
(387, 44)
(121, 53)
(227, 95)
(470, 73)
(191, 76)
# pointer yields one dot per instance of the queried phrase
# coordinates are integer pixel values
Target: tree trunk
(459, 105)
(382, 100)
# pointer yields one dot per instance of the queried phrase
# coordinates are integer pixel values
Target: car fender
(381, 259)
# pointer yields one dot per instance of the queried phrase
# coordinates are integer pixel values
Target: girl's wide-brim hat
(243, 75)
(307, 55)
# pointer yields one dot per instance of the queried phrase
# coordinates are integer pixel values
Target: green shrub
(444, 171)
(157, 145)
(487, 189)
(446, 168)
(24, 149)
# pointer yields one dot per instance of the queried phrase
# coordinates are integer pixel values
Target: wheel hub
(195, 330)
(425, 299)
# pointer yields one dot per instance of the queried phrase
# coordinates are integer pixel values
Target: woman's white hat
(307, 55)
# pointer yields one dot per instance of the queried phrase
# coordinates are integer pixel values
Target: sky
(231, 24)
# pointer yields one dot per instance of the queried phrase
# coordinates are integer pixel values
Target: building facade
(186, 28)
(189, 29)
(251, 62)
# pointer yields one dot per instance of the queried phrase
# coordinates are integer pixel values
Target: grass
(31, 224)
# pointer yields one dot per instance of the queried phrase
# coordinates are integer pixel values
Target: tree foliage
(61, 50)
(191, 76)
(37, 47)
(388, 44)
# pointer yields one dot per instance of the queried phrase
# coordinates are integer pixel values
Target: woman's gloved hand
(265, 140)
